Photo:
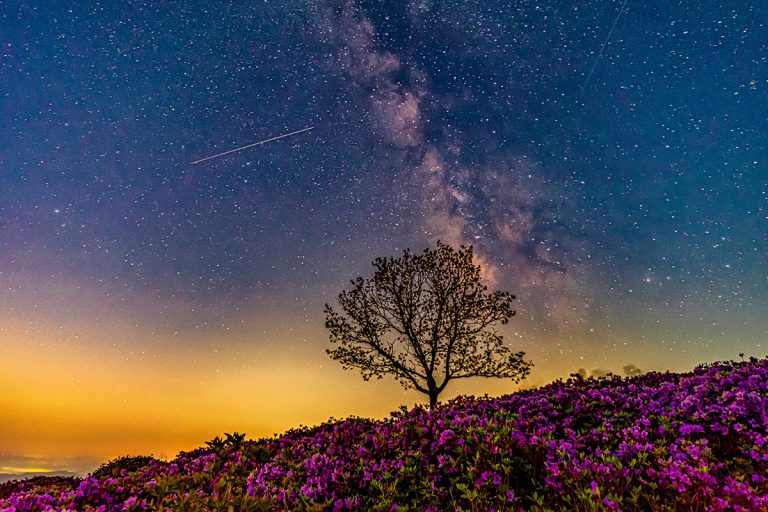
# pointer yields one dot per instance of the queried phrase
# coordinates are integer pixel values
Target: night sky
(607, 159)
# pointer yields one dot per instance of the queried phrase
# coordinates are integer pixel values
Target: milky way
(499, 203)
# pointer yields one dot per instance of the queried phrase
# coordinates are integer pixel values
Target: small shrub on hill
(128, 463)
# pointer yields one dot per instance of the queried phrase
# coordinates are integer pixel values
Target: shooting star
(254, 144)
(600, 54)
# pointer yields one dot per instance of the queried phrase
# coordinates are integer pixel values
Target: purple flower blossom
(687, 429)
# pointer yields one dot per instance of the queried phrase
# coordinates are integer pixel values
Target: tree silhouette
(426, 320)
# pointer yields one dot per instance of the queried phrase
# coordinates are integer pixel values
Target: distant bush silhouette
(426, 320)
(630, 370)
(231, 440)
(127, 463)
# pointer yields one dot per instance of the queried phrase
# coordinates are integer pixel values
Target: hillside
(659, 441)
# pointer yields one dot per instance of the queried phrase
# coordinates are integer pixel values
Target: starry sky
(607, 159)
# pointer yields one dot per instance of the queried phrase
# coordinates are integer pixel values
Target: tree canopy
(426, 320)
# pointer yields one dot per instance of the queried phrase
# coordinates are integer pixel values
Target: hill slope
(660, 441)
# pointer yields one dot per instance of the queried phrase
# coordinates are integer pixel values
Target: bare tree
(426, 320)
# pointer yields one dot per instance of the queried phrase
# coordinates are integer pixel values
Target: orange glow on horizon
(112, 387)
(19, 470)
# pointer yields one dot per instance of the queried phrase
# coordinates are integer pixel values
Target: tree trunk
(433, 391)
(433, 398)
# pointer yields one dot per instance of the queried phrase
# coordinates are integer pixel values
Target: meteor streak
(254, 144)
(602, 48)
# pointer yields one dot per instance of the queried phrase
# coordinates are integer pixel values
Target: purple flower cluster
(660, 441)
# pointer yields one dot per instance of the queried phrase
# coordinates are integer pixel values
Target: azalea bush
(657, 442)
(118, 466)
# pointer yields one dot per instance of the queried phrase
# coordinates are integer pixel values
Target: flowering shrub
(657, 442)
(120, 465)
